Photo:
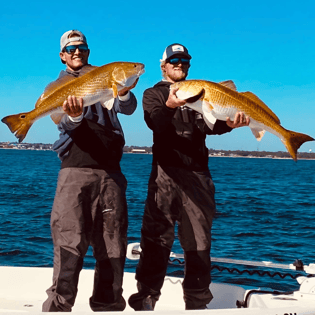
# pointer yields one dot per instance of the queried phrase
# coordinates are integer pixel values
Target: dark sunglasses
(175, 61)
(72, 48)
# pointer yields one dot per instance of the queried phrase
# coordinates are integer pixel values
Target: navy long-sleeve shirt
(179, 134)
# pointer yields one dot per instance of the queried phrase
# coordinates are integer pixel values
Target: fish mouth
(195, 98)
(141, 69)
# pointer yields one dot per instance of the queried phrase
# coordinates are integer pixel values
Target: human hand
(240, 120)
(73, 106)
(173, 101)
(125, 90)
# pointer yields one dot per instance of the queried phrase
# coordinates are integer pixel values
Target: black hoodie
(178, 134)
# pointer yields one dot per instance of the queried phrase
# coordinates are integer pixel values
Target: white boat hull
(23, 289)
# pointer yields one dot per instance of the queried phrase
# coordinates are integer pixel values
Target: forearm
(220, 127)
(126, 104)
(68, 123)
(156, 114)
(160, 118)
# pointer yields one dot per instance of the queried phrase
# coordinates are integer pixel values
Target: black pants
(185, 197)
(89, 209)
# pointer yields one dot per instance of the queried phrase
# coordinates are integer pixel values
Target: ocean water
(265, 212)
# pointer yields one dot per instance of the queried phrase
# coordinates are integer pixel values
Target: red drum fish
(221, 100)
(98, 84)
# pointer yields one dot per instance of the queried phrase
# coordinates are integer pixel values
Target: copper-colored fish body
(221, 100)
(98, 84)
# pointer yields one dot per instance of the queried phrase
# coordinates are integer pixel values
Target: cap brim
(180, 54)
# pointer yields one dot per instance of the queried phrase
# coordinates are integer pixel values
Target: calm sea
(265, 212)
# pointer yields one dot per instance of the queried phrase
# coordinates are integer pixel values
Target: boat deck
(23, 289)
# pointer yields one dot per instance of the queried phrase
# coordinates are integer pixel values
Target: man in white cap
(90, 205)
(180, 189)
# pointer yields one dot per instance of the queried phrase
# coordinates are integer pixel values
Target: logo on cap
(178, 48)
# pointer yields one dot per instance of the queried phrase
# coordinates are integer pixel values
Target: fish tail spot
(18, 124)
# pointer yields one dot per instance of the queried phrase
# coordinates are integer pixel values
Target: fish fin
(293, 141)
(184, 95)
(60, 82)
(256, 99)
(87, 69)
(119, 76)
(192, 99)
(208, 123)
(229, 84)
(56, 117)
(109, 104)
(18, 124)
(258, 133)
(208, 116)
(53, 87)
(115, 90)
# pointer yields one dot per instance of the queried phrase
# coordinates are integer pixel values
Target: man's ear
(62, 56)
(163, 68)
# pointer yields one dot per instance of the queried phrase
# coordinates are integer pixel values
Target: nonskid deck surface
(22, 290)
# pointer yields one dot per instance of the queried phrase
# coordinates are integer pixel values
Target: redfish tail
(18, 124)
(294, 141)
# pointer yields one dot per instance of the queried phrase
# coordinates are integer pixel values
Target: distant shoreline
(261, 157)
(212, 153)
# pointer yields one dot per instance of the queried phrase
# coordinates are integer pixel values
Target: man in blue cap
(180, 189)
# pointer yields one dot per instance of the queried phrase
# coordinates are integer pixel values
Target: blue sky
(266, 48)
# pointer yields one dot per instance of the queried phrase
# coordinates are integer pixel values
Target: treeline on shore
(233, 153)
(148, 150)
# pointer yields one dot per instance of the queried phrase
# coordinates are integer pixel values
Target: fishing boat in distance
(22, 290)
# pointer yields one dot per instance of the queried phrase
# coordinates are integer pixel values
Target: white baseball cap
(66, 38)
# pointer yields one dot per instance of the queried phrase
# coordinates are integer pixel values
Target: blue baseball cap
(175, 49)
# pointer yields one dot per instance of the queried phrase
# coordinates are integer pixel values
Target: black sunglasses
(175, 61)
(72, 48)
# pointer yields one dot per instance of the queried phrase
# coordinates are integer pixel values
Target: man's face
(75, 61)
(175, 72)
